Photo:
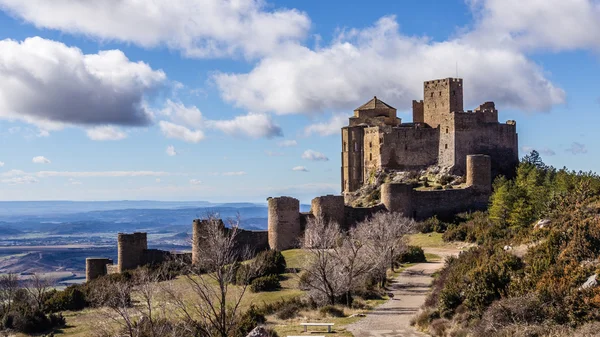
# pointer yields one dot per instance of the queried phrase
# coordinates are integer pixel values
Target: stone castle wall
(96, 267)
(284, 222)
(329, 207)
(131, 250)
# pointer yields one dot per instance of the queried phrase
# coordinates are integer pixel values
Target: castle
(441, 134)
(472, 143)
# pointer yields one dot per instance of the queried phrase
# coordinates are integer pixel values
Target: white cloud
(300, 168)
(252, 125)
(195, 182)
(380, 60)
(89, 174)
(106, 133)
(287, 143)
(171, 130)
(236, 173)
(197, 28)
(577, 148)
(20, 180)
(13, 173)
(40, 160)
(545, 24)
(1, 164)
(74, 182)
(171, 150)
(274, 153)
(314, 155)
(181, 114)
(328, 128)
(51, 85)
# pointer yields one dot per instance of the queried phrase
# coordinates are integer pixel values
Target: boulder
(591, 282)
(259, 331)
(542, 223)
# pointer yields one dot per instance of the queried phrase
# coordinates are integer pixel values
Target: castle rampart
(96, 267)
(329, 207)
(284, 222)
(131, 250)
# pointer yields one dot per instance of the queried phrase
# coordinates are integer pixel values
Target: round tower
(95, 267)
(131, 249)
(284, 223)
(330, 208)
(397, 198)
(196, 240)
(479, 172)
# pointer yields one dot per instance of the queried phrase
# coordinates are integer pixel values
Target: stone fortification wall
(155, 256)
(447, 202)
(329, 207)
(131, 250)
(197, 239)
(284, 222)
(96, 267)
(354, 215)
(441, 97)
(352, 157)
(417, 110)
(398, 198)
(256, 240)
(479, 172)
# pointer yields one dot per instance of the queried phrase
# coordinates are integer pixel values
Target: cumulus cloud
(195, 182)
(178, 113)
(314, 155)
(40, 160)
(20, 180)
(300, 168)
(333, 77)
(287, 143)
(236, 173)
(171, 151)
(49, 84)
(199, 28)
(529, 25)
(252, 125)
(171, 130)
(106, 133)
(328, 128)
(577, 148)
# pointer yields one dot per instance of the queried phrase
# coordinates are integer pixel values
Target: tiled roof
(375, 103)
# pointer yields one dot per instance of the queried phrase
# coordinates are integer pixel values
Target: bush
(439, 327)
(288, 311)
(72, 298)
(265, 283)
(332, 311)
(269, 262)
(32, 321)
(249, 320)
(413, 254)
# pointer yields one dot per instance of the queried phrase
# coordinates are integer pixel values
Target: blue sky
(240, 100)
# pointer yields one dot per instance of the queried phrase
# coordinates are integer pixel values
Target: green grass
(432, 240)
(294, 258)
(432, 257)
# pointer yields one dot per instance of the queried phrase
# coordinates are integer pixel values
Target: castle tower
(397, 198)
(284, 223)
(441, 97)
(95, 267)
(479, 172)
(131, 250)
(330, 208)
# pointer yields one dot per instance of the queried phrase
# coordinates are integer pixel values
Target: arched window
(446, 146)
(446, 130)
(370, 145)
(355, 147)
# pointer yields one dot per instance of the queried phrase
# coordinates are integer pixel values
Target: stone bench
(328, 325)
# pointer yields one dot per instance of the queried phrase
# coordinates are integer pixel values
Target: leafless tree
(115, 297)
(213, 306)
(324, 274)
(37, 287)
(384, 237)
(9, 284)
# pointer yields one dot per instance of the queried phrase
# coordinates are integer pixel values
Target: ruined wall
(354, 215)
(440, 98)
(197, 239)
(446, 203)
(96, 267)
(256, 241)
(329, 207)
(155, 256)
(479, 172)
(131, 249)
(284, 223)
(352, 158)
(417, 110)
(398, 198)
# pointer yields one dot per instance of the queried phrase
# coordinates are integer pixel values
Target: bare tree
(115, 297)
(37, 287)
(352, 255)
(9, 284)
(213, 307)
(384, 236)
(324, 273)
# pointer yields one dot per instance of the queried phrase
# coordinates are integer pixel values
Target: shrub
(72, 298)
(439, 327)
(288, 311)
(249, 320)
(508, 311)
(269, 262)
(332, 311)
(413, 254)
(32, 321)
(265, 283)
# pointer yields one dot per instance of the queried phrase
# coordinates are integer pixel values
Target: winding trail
(410, 288)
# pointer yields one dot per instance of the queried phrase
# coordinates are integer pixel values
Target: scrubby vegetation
(537, 245)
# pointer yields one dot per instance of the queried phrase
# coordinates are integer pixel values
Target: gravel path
(410, 288)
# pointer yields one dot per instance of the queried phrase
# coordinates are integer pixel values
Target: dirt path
(410, 288)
